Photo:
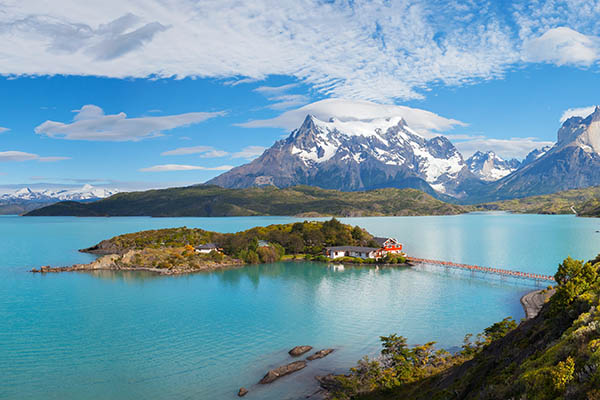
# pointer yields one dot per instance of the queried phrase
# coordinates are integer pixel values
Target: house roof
(352, 248)
(207, 246)
(380, 240)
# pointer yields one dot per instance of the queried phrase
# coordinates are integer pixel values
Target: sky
(136, 94)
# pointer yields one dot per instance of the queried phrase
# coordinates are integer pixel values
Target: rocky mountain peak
(490, 167)
(595, 116)
(581, 132)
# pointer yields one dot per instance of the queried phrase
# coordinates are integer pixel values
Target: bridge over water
(477, 268)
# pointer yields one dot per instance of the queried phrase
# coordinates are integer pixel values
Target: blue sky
(175, 92)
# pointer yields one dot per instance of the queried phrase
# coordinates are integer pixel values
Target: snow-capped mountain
(87, 192)
(490, 167)
(355, 155)
(534, 155)
(572, 163)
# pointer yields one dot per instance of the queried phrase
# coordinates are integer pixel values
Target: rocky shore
(533, 301)
(138, 260)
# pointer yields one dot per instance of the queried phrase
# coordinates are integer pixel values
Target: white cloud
(2, 130)
(249, 152)
(576, 112)
(275, 90)
(422, 121)
(505, 148)
(203, 151)
(214, 154)
(181, 151)
(90, 123)
(282, 100)
(180, 167)
(13, 155)
(376, 50)
(563, 46)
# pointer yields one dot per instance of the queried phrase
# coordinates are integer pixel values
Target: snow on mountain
(87, 192)
(534, 155)
(355, 155)
(490, 167)
(572, 163)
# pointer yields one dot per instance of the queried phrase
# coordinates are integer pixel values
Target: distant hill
(582, 200)
(214, 201)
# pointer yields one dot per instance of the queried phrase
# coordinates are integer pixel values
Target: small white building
(351, 251)
(388, 246)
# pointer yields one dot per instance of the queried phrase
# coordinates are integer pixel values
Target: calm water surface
(202, 336)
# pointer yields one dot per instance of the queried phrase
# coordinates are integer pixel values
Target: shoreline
(107, 263)
(533, 301)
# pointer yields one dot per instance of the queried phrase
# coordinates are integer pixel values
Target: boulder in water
(278, 372)
(299, 350)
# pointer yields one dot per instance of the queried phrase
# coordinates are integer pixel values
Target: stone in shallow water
(320, 354)
(243, 391)
(278, 372)
(299, 350)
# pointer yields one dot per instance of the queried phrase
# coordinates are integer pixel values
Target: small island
(185, 250)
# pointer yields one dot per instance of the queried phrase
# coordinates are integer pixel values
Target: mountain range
(370, 154)
(26, 199)
(356, 155)
(366, 156)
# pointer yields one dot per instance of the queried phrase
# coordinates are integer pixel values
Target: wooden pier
(477, 268)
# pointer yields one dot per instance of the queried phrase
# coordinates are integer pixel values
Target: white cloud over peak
(576, 112)
(563, 46)
(91, 123)
(180, 167)
(424, 122)
(18, 156)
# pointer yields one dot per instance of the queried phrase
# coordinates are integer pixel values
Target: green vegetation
(214, 201)
(585, 201)
(172, 258)
(553, 356)
(306, 238)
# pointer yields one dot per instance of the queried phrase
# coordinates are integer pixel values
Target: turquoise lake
(203, 336)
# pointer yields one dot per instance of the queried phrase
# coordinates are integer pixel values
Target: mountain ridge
(355, 155)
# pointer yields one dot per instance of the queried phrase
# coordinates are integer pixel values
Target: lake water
(202, 336)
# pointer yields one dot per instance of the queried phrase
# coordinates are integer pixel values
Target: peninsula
(185, 250)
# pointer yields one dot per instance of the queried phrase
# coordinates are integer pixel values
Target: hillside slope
(582, 200)
(214, 201)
